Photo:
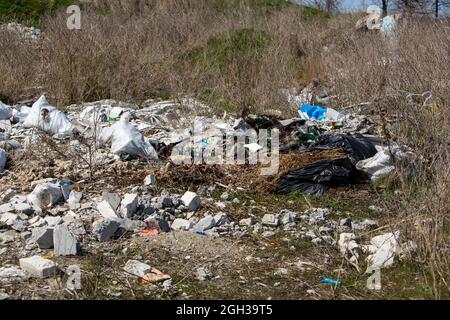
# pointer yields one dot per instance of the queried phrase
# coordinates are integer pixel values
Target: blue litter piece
(314, 111)
(331, 281)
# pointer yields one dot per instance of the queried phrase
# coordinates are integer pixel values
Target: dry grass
(233, 55)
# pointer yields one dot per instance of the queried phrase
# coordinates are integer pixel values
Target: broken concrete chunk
(53, 221)
(113, 199)
(181, 224)
(38, 266)
(9, 218)
(288, 217)
(205, 223)
(270, 220)
(43, 237)
(2, 159)
(45, 195)
(247, 222)
(107, 211)
(74, 200)
(24, 208)
(137, 268)
(104, 229)
(7, 207)
(150, 180)
(65, 244)
(191, 200)
(129, 205)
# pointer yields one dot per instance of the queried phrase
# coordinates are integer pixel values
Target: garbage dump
(127, 183)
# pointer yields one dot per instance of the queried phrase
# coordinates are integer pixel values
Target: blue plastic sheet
(314, 112)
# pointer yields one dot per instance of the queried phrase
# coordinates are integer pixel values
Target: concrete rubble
(38, 266)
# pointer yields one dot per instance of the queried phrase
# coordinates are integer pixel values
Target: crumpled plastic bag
(20, 116)
(56, 121)
(126, 139)
(356, 147)
(315, 179)
(45, 194)
(6, 111)
(307, 112)
(381, 165)
(2, 159)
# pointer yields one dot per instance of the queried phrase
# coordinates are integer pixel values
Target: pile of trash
(27, 33)
(320, 149)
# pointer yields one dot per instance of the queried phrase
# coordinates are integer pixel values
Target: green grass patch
(29, 12)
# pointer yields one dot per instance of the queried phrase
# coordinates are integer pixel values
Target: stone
(104, 229)
(221, 219)
(270, 220)
(205, 223)
(247, 222)
(43, 237)
(7, 207)
(37, 222)
(112, 198)
(150, 180)
(65, 243)
(129, 205)
(3, 296)
(202, 274)
(53, 221)
(288, 217)
(181, 224)
(191, 200)
(45, 195)
(74, 200)
(137, 268)
(221, 205)
(236, 201)
(38, 266)
(224, 196)
(107, 211)
(19, 225)
(317, 215)
(24, 208)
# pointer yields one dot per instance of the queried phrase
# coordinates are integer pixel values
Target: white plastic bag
(2, 159)
(5, 111)
(45, 194)
(126, 139)
(56, 121)
(381, 164)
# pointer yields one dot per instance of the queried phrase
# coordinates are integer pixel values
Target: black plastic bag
(356, 147)
(315, 179)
